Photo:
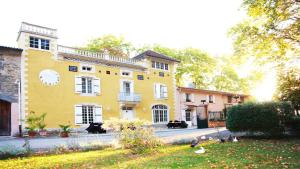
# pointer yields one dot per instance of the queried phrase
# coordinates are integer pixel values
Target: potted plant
(41, 125)
(31, 122)
(31, 131)
(65, 130)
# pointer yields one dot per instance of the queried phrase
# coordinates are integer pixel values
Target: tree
(110, 44)
(271, 32)
(288, 88)
(198, 65)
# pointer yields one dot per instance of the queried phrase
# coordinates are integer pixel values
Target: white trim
(154, 91)
(168, 113)
(131, 85)
(93, 69)
(130, 72)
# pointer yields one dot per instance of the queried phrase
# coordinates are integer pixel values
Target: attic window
(160, 65)
(87, 68)
(108, 72)
(126, 73)
(39, 43)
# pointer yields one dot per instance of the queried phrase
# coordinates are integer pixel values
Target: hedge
(267, 117)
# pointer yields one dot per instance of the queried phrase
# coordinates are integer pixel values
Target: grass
(247, 153)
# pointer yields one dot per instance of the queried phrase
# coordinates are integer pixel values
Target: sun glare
(264, 91)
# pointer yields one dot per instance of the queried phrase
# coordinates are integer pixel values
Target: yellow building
(78, 87)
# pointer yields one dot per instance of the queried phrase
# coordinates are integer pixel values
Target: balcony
(39, 30)
(130, 98)
(97, 57)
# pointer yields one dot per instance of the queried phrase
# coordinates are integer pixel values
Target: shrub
(134, 135)
(267, 117)
(294, 125)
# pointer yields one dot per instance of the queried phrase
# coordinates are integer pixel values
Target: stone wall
(10, 72)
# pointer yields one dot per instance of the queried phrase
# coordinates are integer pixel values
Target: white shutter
(78, 114)
(98, 114)
(78, 84)
(157, 90)
(214, 99)
(96, 86)
(165, 91)
(207, 99)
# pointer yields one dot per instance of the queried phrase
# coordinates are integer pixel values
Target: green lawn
(244, 154)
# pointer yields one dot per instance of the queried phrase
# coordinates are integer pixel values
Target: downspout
(20, 108)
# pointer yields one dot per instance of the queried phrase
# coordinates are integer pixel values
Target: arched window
(160, 113)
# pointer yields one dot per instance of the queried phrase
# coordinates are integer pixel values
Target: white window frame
(95, 85)
(160, 91)
(126, 71)
(153, 114)
(40, 43)
(158, 65)
(96, 116)
(131, 85)
(213, 98)
(87, 66)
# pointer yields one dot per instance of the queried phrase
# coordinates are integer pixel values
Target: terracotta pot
(64, 134)
(43, 133)
(31, 133)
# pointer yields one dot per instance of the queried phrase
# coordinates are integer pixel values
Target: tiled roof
(150, 53)
(209, 91)
(10, 48)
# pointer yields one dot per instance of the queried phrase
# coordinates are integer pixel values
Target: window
(107, 72)
(86, 114)
(229, 99)
(87, 85)
(211, 99)
(166, 67)
(34, 42)
(73, 68)
(44, 44)
(188, 97)
(216, 115)
(160, 113)
(140, 77)
(161, 91)
(160, 65)
(188, 115)
(39, 43)
(161, 74)
(157, 65)
(87, 68)
(126, 73)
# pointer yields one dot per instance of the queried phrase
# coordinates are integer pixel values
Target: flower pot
(31, 133)
(43, 133)
(64, 134)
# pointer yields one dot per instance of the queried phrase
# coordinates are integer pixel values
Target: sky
(200, 24)
(174, 23)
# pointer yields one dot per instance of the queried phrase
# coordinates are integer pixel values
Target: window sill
(44, 50)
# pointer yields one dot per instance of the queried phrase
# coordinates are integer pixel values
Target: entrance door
(4, 118)
(128, 113)
(202, 119)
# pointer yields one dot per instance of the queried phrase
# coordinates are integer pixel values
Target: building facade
(10, 74)
(77, 87)
(210, 106)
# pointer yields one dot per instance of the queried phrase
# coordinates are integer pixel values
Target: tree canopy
(110, 44)
(288, 88)
(271, 33)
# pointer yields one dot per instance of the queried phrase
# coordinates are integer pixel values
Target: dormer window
(39, 43)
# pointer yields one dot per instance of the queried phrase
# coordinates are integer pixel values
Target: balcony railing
(95, 55)
(129, 97)
(27, 27)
